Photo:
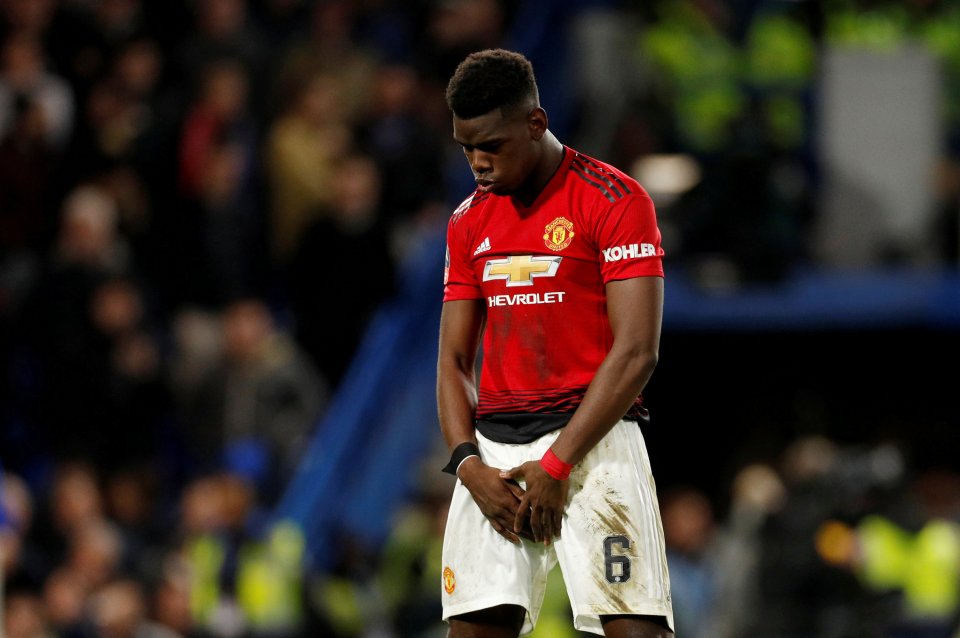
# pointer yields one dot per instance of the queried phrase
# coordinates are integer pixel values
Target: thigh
(504, 621)
(612, 548)
(635, 627)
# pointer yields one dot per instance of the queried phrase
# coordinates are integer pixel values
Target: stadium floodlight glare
(666, 176)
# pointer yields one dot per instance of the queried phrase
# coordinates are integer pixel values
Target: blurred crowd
(823, 540)
(202, 202)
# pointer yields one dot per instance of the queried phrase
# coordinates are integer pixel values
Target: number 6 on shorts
(617, 566)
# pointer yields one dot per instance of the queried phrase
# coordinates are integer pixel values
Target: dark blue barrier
(814, 300)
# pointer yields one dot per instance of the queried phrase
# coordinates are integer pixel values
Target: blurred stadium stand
(804, 156)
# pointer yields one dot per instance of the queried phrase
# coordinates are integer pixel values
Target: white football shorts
(611, 549)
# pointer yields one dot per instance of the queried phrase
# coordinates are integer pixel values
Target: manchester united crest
(558, 234)
(449, 580)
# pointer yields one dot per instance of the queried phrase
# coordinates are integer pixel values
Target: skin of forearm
(456, 401)
(461, 324)
(619, 380)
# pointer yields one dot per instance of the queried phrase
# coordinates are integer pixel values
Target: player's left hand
(542, 503)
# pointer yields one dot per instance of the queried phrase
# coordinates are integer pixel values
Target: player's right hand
(497, 498)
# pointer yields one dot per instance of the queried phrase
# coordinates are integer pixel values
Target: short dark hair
(490, 79)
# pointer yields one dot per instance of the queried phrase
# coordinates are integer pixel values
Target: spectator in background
(136, 400)
(27, 165)
(256, 407)
(22, 561)
(225, 241)
(71, 500)
(88, 237)
(302, 149)
(245, 578)
(23, 72)
(95, 552)
(342, 270)
(757, 494)
(24, 617)
(65, 598)
(132, 503)
(327, 47)
(222, 29)
(136, 210)
(407, 149)
(688, 528)
(210, 236)
(60, 323)
(32, 17)
(197, 344)
(218, 114)
(119, 610)
(27, 223)
(170, 600)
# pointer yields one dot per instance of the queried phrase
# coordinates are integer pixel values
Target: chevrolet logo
(519, 270)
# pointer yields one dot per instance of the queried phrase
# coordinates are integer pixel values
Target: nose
(479, 162)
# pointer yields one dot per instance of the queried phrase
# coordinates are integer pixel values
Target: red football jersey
(541, 272)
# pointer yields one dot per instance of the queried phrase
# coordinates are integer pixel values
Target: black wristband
(461, 452)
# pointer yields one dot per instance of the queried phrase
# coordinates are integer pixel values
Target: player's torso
(539, 273)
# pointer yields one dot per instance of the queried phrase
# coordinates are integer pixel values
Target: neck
(549, 162)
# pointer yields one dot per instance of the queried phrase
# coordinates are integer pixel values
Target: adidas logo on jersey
(483, 247)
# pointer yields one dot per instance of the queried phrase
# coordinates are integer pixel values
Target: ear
(537, 123)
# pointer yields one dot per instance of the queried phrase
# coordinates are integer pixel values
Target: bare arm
(461, 324)
(635, 308)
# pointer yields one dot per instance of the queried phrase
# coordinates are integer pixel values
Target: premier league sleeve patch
(446, 267)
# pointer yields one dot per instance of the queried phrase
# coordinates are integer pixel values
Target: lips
(484, 184)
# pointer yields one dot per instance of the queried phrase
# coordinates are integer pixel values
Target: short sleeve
(629, 240)
(459, 281)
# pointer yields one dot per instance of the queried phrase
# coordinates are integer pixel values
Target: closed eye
(486, 147)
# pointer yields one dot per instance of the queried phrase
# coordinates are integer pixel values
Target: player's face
(502, 148)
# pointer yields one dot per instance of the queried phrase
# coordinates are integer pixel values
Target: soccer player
(555, 263)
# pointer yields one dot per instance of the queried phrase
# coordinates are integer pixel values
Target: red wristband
(553, 466)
